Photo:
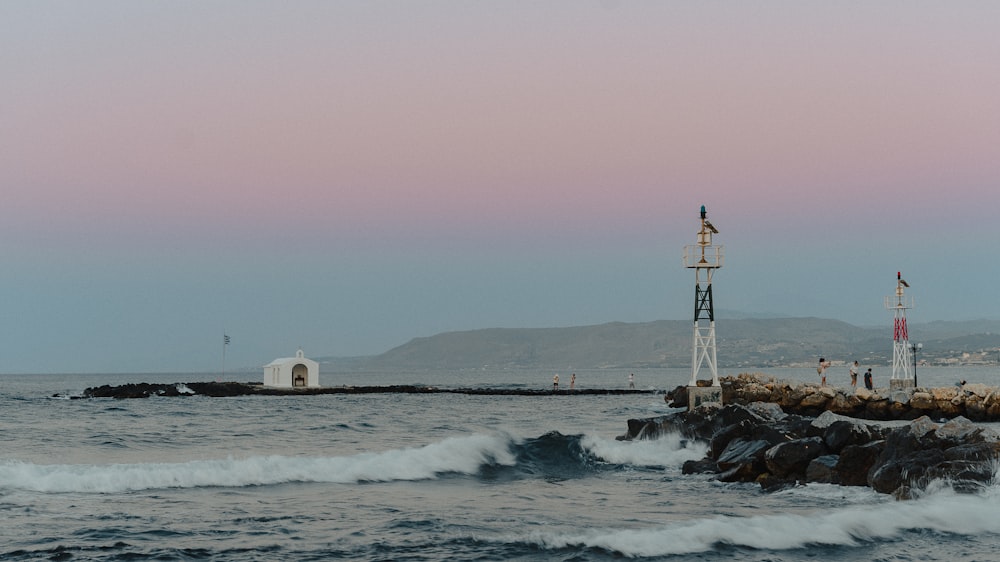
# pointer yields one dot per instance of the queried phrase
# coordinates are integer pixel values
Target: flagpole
(225, 342)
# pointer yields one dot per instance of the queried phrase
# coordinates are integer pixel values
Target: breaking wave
(549, 456)
(941, 511)
(462, 455)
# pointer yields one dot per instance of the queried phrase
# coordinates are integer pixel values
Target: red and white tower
(704, 258)
(902, 375)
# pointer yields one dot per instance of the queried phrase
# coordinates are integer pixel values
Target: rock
(922, 400)
(735, 413)
(981, 452)
(889, 476)
(975, 409)
(948, 408)
(960, 431)
(815, 400)
(856, 461)
(826, 419)
(743, 429)
(767, 410)
(900, 397)
(962, 476)
(845, 404)
(943, 394)
(753, 392)
(822, 469)
(742, 461)
(680, 397)
(877, 409)
(844, 433)
(771, 483)
(702, 422)
(977, 389)
(643, 428)
(702, 466)
(790, 459)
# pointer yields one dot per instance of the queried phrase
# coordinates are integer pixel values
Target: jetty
(976, 402)
(224, 389)
(784, 433)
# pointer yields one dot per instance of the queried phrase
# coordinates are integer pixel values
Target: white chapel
(289, 372)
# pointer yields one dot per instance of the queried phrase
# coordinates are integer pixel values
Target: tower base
(901, 384)
(700, 395)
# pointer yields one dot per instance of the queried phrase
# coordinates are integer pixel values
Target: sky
(346, 176)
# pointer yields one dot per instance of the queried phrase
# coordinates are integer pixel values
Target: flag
(225, 339)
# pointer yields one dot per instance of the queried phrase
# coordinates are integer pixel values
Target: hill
(742, 342)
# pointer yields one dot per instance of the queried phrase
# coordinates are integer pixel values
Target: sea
(428, 477)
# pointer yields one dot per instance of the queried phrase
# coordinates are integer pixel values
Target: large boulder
(960, 430)
(843, 433)
(743, 429)
(898, 475)
(742, 460)
(790, 459)
(822, 469)
(856, 461)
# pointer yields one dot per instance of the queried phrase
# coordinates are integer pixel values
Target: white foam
(943, 511)
(668, 450)
(464, 455)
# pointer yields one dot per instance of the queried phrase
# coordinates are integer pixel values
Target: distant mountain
(742, 342)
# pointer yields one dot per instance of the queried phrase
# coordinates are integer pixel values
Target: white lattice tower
(704, 258)
(898, 304)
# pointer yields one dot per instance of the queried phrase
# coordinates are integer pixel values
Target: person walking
(868, 379)
(854, 375)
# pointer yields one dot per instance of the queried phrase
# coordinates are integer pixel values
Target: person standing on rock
(572, 381)
(555, 382)
(854, 375)
(868, 379)
(823, 364)
(631, 381)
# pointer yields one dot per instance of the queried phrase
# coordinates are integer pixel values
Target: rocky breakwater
(761, 443)
(977, 402)
(224, 389)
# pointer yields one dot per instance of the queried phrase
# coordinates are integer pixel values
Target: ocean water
(425, 477)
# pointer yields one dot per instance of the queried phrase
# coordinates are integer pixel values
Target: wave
(463, 455)
(667, 451)
(941, 511)
(552, 456)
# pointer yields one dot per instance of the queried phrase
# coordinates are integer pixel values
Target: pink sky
(182, 130)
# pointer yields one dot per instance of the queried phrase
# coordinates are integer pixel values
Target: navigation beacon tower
(902, 375)
(704, 259)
